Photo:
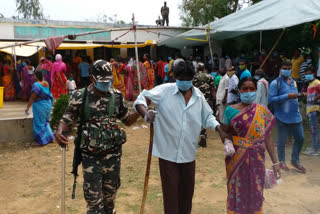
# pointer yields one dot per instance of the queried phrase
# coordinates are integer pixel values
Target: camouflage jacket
(205, 83)
(100, 130)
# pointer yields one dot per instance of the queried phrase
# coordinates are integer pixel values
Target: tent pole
(260, 41)
(272, 49)
(108, 30)
(210, 46)
(136, 50)
(15, 58)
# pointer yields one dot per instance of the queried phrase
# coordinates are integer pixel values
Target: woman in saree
(250, 126)
(118, 82)
(58, 78)
(135, 82)
(8, 84)
(41, 100)
(27, 80)
(46, 67)
(129, 82)
(150, 71)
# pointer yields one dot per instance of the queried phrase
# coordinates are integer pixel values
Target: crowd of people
(242, 98)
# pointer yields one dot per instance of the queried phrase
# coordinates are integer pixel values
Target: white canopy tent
(265, 15)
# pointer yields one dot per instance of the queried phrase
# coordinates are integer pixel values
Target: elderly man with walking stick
(181, 111)
(99, 139)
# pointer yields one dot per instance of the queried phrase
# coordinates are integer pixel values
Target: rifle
(77, 153)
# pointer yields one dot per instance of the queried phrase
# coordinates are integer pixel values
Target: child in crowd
(71, 85)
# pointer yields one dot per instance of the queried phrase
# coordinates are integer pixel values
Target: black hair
(260, 73)
(184, 68)
(178, 55)
(243, 60)
(245, 79)
(312, 69)
(147, 56)
(286, 63)
(49, 58)
(39, 75)
(28, 62)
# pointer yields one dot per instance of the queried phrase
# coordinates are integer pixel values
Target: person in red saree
(58, 78)
(159, 69)
(133, 83)
(250, 126)
(8, 83)
(150, 71)
(46, 67)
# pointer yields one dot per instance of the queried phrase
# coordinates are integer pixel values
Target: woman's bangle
(275, 164)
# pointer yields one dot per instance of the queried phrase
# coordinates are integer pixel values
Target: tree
(103, 18)
(1, 15)
(201, 12)
(29, 9)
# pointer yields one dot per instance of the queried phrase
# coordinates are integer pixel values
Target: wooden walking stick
(146, 179)
(63, 171)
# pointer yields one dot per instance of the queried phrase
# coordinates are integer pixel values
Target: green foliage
(108, 19)
(1, 15)
(29, 9)
(201, 12)
(58, 110)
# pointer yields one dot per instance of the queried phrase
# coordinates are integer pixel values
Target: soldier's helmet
(102, 71)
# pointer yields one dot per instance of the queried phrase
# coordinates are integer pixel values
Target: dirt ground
(30, 181)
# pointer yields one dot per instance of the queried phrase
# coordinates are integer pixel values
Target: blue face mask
(257, 77)
(214, 74)
(286, 73)
(184, 85)
(309, 77)
(23, 64)
(103, 86)
(248, 97)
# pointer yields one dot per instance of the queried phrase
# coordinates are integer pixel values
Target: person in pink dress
(58, 78)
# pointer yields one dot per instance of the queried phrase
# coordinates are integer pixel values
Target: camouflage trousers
(101, 175)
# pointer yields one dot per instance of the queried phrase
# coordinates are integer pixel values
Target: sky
(146, 11)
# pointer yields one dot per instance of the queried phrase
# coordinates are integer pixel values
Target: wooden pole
(146, 179)
(108, 30)
(136, 51)
(63, 182)
(272, 49)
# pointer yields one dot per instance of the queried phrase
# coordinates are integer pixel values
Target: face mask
(248, 97)
(214, 74)
(242, 67)
(23, 64)
(286, 73)
(184, 85)
(103, 86)
(309, 77)
(257, 77)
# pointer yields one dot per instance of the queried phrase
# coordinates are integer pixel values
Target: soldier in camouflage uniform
(101, 138)
(205, 83)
